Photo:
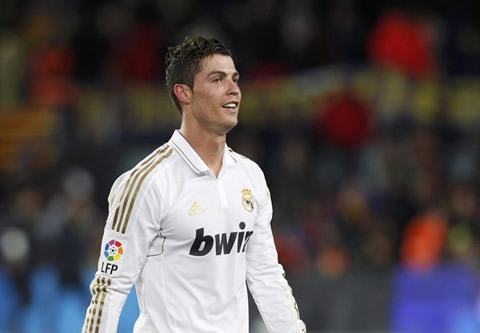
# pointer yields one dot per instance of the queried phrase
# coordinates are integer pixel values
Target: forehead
(217, 62)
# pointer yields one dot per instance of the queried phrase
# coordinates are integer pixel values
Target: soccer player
(190, 224)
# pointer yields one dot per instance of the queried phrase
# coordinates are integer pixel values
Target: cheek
(206, 95)
(206, 103)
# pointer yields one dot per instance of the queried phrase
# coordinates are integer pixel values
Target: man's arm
(130, 229)
(265, 276)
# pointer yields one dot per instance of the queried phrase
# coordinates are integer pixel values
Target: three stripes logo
(95, 310)
(134, 183)
(196, 209)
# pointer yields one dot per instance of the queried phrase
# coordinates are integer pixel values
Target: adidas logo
(196, 209)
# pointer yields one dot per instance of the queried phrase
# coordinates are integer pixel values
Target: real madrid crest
(247, 199)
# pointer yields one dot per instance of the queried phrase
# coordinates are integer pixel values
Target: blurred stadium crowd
(364, 116)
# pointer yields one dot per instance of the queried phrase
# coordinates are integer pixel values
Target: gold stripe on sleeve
(115, 219)
(99, 292)
(87, 318)
(140, 184)
(124, 202)
(144, 173)
(92, 308)
(130, 186)
(102, 302)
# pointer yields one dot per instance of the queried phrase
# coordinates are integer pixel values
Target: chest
(210, 214)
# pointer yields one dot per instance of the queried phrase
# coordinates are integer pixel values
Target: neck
(208, 146)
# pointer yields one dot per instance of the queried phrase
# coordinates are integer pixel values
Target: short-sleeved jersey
(191, 242)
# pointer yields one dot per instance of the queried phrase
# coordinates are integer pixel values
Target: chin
(229, 126)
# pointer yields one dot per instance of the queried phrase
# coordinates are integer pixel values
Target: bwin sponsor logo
(224, 243)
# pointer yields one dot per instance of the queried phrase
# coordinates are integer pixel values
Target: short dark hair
(182, 61)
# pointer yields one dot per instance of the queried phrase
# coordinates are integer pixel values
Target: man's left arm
(265, 276)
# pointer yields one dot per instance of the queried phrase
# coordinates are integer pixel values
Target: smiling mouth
(231, 105)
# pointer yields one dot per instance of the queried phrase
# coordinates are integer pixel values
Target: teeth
(230, 105)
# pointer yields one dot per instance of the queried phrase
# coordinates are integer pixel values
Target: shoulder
(159, 159)
(143, 173)
(247, 164)
(243, 160)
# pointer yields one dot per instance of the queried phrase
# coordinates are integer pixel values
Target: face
(216, 95)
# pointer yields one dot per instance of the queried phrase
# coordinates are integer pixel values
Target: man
(190, 224)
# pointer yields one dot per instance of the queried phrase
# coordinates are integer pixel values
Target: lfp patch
(113, 250)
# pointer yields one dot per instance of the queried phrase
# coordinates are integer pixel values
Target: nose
(233, 89)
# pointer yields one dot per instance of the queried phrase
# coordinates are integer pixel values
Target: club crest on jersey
(247, 199)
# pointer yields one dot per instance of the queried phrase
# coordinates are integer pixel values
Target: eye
(217, 79)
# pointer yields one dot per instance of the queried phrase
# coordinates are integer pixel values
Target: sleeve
(265, 276)
(132, 224)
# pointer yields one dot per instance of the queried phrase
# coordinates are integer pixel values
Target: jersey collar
(191, 157)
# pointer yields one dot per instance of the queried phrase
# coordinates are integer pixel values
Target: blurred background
(364, 116)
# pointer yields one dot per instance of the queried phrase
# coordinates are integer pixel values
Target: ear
(183, 93)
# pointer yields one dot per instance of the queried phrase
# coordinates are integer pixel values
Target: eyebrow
(223, 74)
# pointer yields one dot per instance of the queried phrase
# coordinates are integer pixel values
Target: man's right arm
(130, 229)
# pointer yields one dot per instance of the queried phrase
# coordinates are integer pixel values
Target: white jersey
(191, 242)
